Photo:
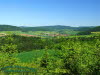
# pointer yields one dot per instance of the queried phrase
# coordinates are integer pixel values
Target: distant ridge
(9, 28)
(42, 28)
(89, 30)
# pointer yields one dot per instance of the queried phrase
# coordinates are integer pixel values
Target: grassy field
(34, 55)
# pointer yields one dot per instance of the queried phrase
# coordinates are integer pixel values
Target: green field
(34, 55)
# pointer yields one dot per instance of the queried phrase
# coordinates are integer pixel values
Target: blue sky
(50, 12)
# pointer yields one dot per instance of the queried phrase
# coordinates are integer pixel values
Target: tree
(8, 52)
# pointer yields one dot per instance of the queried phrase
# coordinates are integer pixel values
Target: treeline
(41, 28)
(89, 30)
(9, 28)
(34, 43)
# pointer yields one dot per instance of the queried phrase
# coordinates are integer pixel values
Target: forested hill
(95, 29)
(40, 28)
(46, 28)
(88, 31)
(9, 28)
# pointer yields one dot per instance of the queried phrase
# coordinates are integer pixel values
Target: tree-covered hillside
(48, 28)
(56, 28)
(40, 28)
(88, 31)
(9, 28)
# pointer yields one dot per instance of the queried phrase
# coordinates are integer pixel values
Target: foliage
(56, 56)
(8, 52)
(88, 31)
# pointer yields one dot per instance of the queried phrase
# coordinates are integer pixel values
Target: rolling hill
(57, 28)
(9, 28)
(88, 31)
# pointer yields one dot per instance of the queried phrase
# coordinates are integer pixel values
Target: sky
(50, 12)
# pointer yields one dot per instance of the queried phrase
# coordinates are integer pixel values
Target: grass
(33, 55)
